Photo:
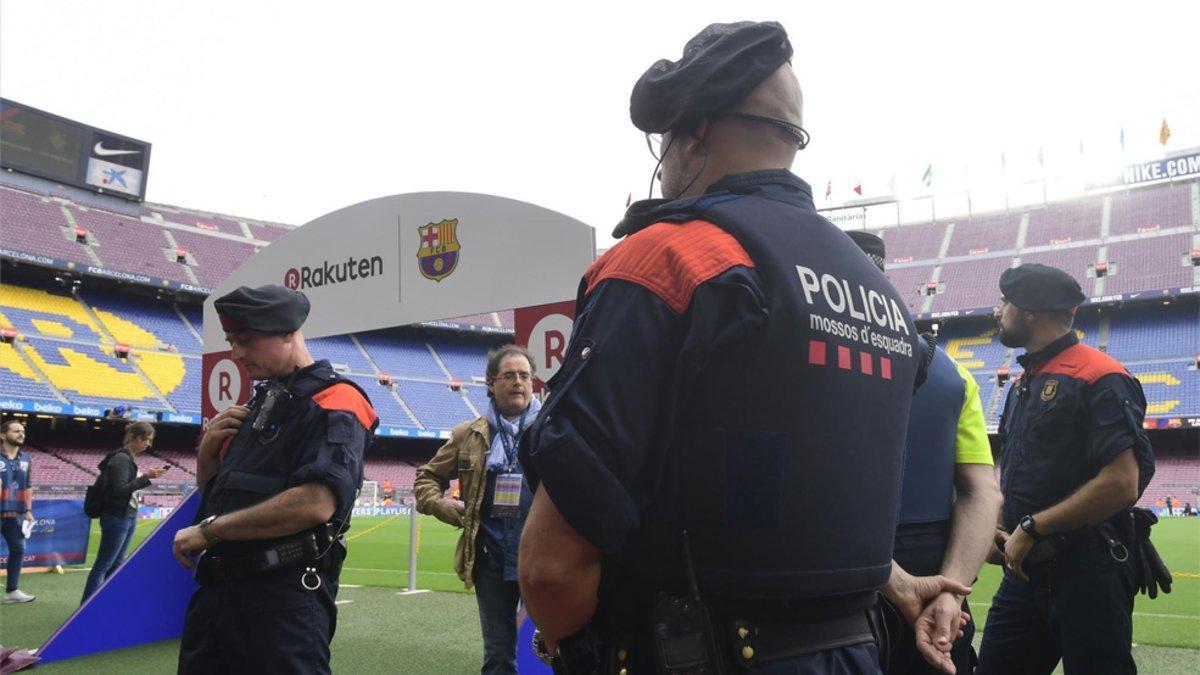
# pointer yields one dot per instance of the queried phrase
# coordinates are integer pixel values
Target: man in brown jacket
(482, 455)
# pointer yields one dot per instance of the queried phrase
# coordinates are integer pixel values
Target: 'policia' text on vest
(839, 298)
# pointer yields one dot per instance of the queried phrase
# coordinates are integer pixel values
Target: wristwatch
(1030, 527)
(541, 650)
(210, 538)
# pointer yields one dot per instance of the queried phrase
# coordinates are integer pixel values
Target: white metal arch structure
(405, 259)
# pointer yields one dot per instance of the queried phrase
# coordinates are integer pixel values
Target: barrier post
(414, 534)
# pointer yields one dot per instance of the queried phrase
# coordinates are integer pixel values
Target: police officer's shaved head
(777, 98)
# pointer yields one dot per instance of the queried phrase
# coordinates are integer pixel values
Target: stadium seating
(479, 398)
(128, 244)
(204, 222)
(435, 404)
(910, 283)
(1172, 389)
(73, 349)
(268, 232)
(341, 351)
(410, 357)
(1155, 208)
(380, 467)
(36, 224)
(1149, 264)
(186, 397)
(981, 235)
(1155, 332)
(1074, 261)
(389, 411)
(974, 345)
(48, 469)
(1064, 222)
(970, 284)
(1174, 476)
(17, 379)
(914, 242)
(155, 319)
(463, 358)
(215, 258)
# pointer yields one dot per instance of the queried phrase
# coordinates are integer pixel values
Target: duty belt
(747, 644)
(753, 643)
(294, 553)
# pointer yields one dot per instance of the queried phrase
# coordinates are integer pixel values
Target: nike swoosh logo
(105, 152)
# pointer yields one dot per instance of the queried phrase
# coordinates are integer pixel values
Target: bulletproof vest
(927, 495)
(259, 462)
(788, 456)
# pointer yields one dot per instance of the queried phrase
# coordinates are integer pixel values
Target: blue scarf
(497, 458)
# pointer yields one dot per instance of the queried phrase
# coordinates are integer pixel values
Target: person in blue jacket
(948, 504)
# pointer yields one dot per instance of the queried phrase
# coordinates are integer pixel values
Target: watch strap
(210, 537)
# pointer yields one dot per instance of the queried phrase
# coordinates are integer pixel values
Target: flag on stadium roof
(927, 179)
(858, 188)
(1164, 133)
(829, 188)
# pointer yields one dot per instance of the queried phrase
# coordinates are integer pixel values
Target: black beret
(269, 309)
(719, 67)
(871, 244)
(1040, 288)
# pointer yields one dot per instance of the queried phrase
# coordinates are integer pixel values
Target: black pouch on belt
(683, 637)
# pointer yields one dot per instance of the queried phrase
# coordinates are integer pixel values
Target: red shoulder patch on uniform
(345, 397)
(1083, 363)
(670, 260)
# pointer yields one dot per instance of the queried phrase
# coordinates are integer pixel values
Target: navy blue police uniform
(927, 502)
(268, 606)
(945, 428)
(736, 369)
(1070, 413)
(761, 371)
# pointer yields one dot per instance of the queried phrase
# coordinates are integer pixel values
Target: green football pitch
(380, 630)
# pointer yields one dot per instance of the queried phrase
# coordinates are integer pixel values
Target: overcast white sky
(287, 110)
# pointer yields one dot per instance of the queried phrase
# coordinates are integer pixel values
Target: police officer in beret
(736, 369)
(1075, 458)
(279, 477)
(948, 503)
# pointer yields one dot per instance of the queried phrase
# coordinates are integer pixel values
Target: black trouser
(919, 550)
(267, 623)
(1079, 608)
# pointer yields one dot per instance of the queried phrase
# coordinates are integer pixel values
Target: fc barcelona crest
(1049, 390)
(438, 255)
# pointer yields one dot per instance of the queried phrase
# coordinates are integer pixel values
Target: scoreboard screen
(52, 147)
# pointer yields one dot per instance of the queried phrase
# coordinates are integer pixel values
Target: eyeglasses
(655, 143)
(797, 132)
(513, 376)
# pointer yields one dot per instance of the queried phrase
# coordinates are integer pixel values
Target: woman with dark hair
(120, 480)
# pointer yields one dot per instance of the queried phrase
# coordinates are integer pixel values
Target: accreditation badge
(507, 501)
